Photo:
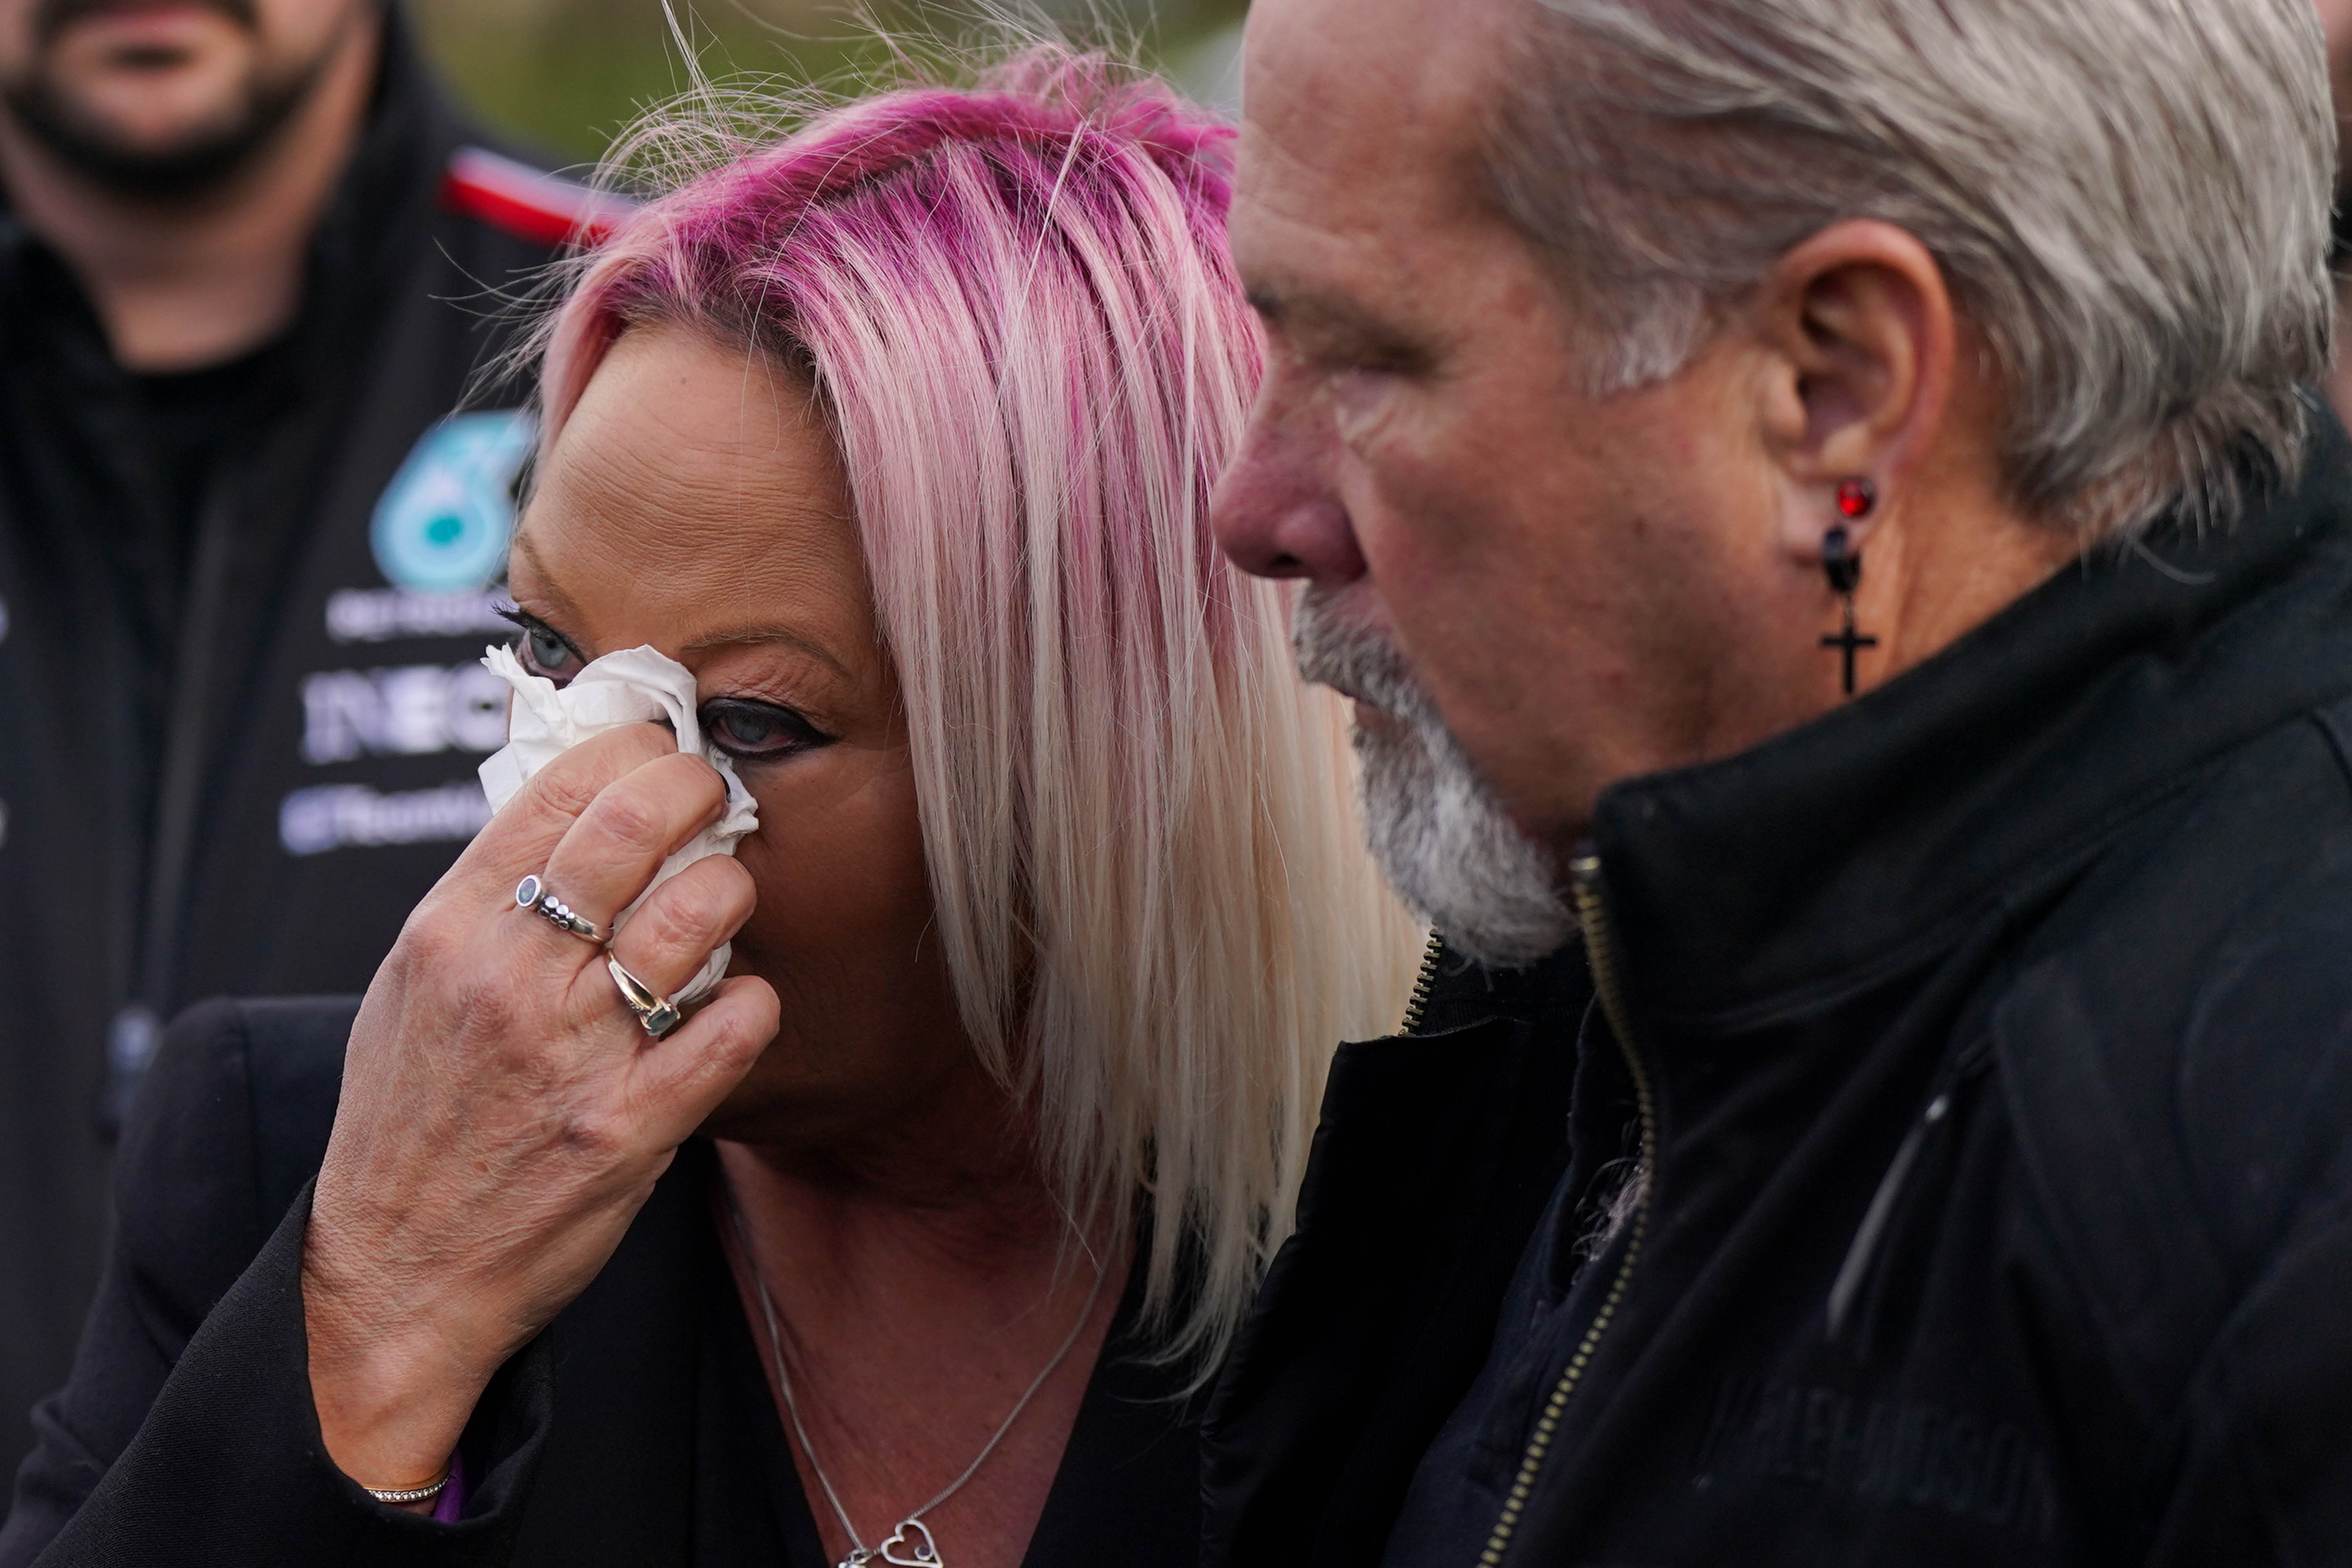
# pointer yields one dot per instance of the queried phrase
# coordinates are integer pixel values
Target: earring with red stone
(1842, 564)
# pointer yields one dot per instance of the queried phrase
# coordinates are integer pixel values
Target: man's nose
(1276, 512)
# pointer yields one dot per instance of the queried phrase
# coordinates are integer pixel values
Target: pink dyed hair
(1015, 304)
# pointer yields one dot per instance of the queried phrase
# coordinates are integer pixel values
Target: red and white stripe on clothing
(539, 208)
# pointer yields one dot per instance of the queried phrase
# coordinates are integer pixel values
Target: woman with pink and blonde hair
(887, 446)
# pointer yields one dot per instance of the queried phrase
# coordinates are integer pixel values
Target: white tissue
(632, 687)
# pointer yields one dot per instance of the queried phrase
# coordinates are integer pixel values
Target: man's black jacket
(1994, 1035)
(233, 754)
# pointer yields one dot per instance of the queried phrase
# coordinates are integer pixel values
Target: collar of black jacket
(1770, 883)
(383, 206)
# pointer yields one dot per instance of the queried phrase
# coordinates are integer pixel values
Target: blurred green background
(561, 77)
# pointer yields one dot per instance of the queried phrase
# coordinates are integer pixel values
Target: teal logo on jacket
(445, 521)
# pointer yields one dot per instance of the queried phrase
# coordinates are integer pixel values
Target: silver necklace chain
(911, 1535)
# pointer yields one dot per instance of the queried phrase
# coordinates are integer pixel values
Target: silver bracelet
(409, 1494)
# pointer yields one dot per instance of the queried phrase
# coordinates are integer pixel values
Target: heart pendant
(911, 1546)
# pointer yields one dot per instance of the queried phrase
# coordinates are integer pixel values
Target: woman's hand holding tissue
(503, 1115)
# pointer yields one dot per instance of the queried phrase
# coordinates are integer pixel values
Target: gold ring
(659, 1015)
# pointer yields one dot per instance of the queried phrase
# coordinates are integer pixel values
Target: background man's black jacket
(153, 722)
(1997, 1035)
(637, 1431)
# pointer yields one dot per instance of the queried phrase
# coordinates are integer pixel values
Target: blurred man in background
(246, 264)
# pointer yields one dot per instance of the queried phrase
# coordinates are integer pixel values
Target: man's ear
(1859, 335)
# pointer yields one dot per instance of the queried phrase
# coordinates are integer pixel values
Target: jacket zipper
(1855, 1272)
(1864, 1255)
(1416, 1006)
(1601, 953)
(154, 970)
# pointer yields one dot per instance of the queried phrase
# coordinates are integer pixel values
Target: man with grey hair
(1848, 595)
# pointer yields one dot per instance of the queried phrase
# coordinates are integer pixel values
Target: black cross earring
(1842, 564)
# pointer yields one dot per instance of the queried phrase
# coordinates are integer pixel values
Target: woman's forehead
(699, 486)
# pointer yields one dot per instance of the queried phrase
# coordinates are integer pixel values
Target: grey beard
(1442, 840)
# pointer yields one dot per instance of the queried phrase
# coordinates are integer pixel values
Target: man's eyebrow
(1330, 318)
(743, 636)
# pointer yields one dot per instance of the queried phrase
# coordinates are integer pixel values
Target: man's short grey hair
(2128, 198)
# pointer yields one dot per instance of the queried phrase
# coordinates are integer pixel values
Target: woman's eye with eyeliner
(752, 731)
(549, 655)
(542, 649)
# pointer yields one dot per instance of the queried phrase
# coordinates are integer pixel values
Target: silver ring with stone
(532, 893)
(659, 1015)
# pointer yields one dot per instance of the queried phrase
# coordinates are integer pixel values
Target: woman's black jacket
(1994, 1035)
(637, 1430)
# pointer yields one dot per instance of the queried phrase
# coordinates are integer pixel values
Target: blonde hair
(1152, 894)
